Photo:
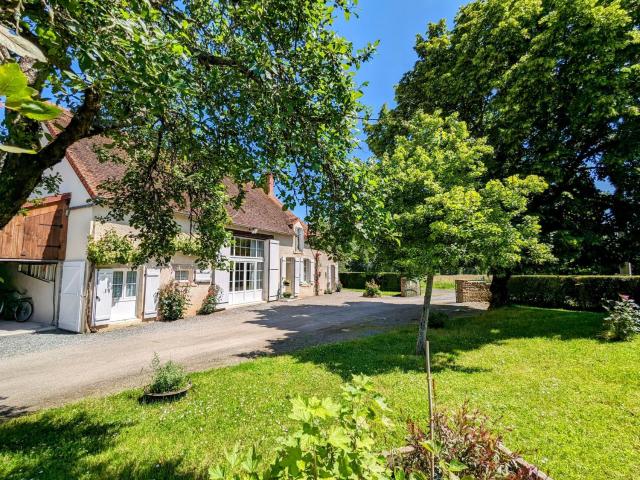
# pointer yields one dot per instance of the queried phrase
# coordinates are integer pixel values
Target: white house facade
(268, 259)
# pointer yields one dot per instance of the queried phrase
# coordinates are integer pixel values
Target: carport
(32, 248)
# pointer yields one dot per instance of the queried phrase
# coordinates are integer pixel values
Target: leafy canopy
(190, 93)
(554, 87)
(443, 215)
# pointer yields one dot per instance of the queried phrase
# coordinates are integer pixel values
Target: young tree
(185, 93)
(553, 86)
(442, 215)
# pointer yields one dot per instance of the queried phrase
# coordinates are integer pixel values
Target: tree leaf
(19, 45)
(37, 110)
(13, 83)
(12, 149)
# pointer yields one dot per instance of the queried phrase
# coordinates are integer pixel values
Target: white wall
(42, 293)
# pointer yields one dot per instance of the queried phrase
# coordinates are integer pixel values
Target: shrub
(167, 377)
(338, 287)
(332, 440)
(286, 294)
(623, 321)
(210, 302)
(463, 444)
(437, 319)
(328, 291)
(570, 292)
(371, 289)
(173, 300)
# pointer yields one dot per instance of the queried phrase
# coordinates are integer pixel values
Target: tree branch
(207, 59)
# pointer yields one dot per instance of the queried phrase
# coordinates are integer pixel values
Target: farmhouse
(44, 252)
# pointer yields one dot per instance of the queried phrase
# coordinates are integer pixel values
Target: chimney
(269, 187)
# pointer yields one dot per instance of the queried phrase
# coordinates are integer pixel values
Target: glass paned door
(245, 281)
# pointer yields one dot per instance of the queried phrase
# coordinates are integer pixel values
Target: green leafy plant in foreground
(333, 440)
(623, 321)
(167, 377)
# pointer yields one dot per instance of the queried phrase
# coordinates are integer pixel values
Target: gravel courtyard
(51, 368)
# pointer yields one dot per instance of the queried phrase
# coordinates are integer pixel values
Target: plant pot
(149, 397)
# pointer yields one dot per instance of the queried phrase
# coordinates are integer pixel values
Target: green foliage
(332, 440)
(210, 302)
(388, 281)
(553, 86)
(371, 289)
(286, 294)
(182, 87)
(173, 300)
(338, 286)
(167, 377)
(623, 321)
(571, 292)
(112, 249)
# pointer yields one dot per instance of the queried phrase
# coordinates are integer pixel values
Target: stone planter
(149, 397)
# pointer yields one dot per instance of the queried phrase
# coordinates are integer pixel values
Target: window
(132, 283)
(117, 285)
(251, 276)
(181, 275)
(307, 270)
(247, 247)
(246, 276)
(45, 272)
(299, 239)
(260, 267)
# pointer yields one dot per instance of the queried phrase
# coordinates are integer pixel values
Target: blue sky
(395, 23)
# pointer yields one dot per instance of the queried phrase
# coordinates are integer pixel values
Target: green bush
(388, 281)
(167, 377)
(173, 300)
(623, 321)
(571, 292)
(371, 289)
(210, 302)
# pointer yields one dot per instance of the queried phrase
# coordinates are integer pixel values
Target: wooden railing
(40, 233)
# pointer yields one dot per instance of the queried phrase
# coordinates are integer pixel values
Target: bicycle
(14, 305)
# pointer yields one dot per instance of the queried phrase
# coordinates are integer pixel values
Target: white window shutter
(274, 269)
(203, 276)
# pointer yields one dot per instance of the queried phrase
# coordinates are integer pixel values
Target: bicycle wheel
(23, 310)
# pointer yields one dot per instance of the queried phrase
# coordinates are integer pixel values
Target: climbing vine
(112, 248)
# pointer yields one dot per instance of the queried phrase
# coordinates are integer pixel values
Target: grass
(386, 293)
(568, 401)
(439, 285)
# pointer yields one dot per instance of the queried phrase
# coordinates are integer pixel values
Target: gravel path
(51, 368)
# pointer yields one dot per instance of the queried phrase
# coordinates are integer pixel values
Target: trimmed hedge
(388, 281)
(571, 292)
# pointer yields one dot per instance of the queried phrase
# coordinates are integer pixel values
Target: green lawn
(568, 401)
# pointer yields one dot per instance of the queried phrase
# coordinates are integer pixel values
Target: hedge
(571, 292)
(388, 281)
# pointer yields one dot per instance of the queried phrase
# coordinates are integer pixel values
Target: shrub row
(388, 281)
(571, 292)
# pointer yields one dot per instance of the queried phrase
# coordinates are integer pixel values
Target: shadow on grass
(394, 350)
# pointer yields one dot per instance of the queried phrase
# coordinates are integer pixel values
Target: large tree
(188, 92)
(442, 216)
(554, 86)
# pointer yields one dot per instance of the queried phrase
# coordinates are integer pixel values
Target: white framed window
(247, 247)
(131, 285)
(182, 273)
(307, 271)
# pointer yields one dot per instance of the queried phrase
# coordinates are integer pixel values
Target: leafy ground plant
(371, 289)
(167, 377)
(623, 321)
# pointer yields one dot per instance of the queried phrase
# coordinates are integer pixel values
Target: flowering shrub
(173, 300)
(623, 320)
(371, 289)
(210, 302)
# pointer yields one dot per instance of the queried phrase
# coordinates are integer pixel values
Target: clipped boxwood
(571, 292)
(387, 281)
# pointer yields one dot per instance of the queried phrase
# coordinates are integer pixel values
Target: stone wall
(472, 291)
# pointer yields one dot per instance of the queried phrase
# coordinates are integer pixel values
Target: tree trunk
(424, 317)
(499, 290)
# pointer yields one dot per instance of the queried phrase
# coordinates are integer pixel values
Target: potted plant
(169, 381)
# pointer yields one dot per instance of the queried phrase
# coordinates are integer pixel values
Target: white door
(296, 277)
(71, 293)
(124, 290)
(245, 281)
(104, 278)
(274, 269)
(151, 287)
(221, 277)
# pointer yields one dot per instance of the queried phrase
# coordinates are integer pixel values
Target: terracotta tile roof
(259, 210)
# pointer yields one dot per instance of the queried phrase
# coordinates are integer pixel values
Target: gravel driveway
(51, 368)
